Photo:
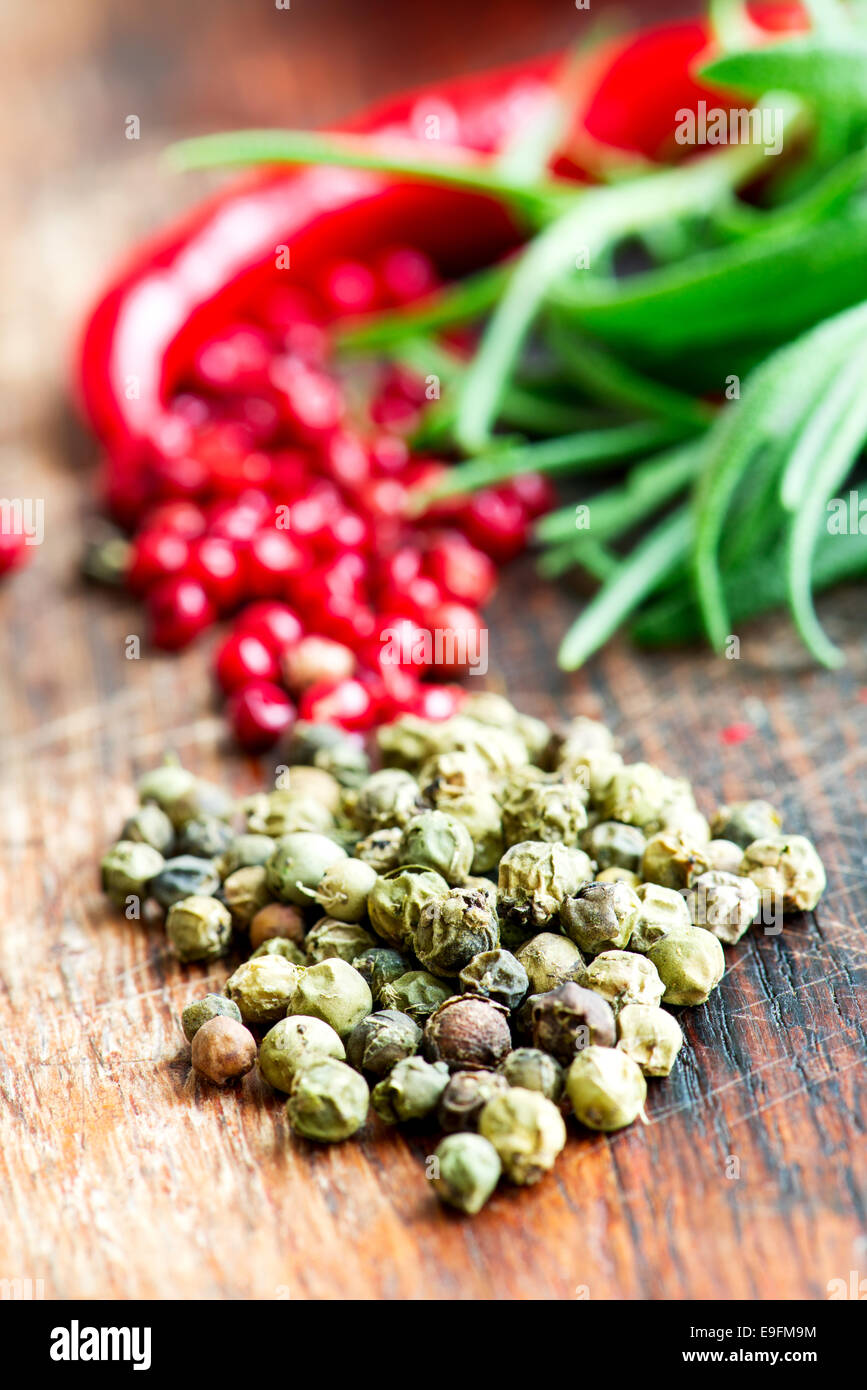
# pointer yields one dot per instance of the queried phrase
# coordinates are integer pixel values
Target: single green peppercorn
(201, 1010)
(467, 1032)
(661, 910)
(618, 875)
(600, 917)
(690, 963)
(335, 992)
(281, 946)
(264, 987)
(245, 892)
(128, 870)
(381, 966)
(329, 939)
(417, 993)
(184, 877)
(614, 845)
(544, 811)
(381, 850)
(151, 826)
(245, 852)
(535, 877)
(410, 1091)
(328, 1101)
(534, 1070)
(454, 928)
(165, 784)
(724, 856)
(464, 1171)
(395, 902)
(725, 904)
(527, 1130)
(205, 837)
(288, 812)
(606, 1088)
(787, 871)
(344, 889)
(302, 782)
(496, 975)
(746, 821)
(650, 1036)
(622, 977)
(479, 811)
(294, 1043)
(199, 928)
(550, 960)
(570, 1018)
(381, 1040)
(672, 859)
(390, 797)
(466, 1095)
(300, 862)
(200, 798)
(438, 841)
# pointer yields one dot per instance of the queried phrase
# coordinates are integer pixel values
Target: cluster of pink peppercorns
(266, 495)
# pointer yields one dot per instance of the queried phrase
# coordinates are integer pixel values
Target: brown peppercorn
(277, 919)
(464, 1098)
(469, 1033)
(223, 1050)
(569, 1018)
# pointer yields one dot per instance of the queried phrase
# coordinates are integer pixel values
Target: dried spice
(466, 1168)
(199, 928)
(570, 1018)
(454, 928)
(527, 1131)
(465, 1096)
(606, 1088)
(496, 975)
(291, 1044)
(468, 1033)
(381, 1040)
(600, 917)
(223, 1050)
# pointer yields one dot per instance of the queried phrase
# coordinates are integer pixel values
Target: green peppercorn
(199, 798)
(614, 845)
(410, 1091)
(307, 783)
(329, 939)
(165, 784)
(390, 797)
(600, 917)
(381, 1040)
(438, 841)
(650, 1036)
(285, 812)
(417, 993)
(223, 1050)
(454, 771)
(128, 870)
(527, 1130)
(150, 826)
(464, 1172)
(184, 877)
(622, 977)
(466, 1095)
(381, 850)
(725, 904)
(294, 1043)
(671, 859)
(300, 862)
(467, 1032)
(396, 900)
(787, 871)
(661, 910)
(544, 811)
(335, 992)
(245, 852)
(550, 960)
(536, 877)
(347, 762)
(606, 1088)
(534, 1070)
(201, 1010)
(496, 975)
(479, 811)
(309, 737)
(617, 875)
(264, 987)
(746, 821)
(380, 967)
(205, 837)
(637, 794)
(570, 1018)
(344, 889)
(328, 1101)
(690, 964)
(724, 856)
(245, 892)
(281, 946)
(592, 768)
(199, 928)
(454, 928)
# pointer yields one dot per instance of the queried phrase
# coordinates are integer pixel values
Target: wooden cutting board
(120, 1176)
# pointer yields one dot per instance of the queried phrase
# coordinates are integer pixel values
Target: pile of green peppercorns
(485, 930)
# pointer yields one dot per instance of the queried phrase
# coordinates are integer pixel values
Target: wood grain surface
(120, 1176)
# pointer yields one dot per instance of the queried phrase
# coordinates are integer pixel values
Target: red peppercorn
(462, 571)
(460, 638)
(242, 658)
(311, 401)
(348, 702)
(259, 713)
(349, 287)
(275, 624)
(218, 565)
(389, 454)
(155, 555)
(533, 491)
(240, 519)
(181, 518)
(14, 550)
(437, 701)
(405, 274)
(346, 460)
(497, 524)
(234, 360)
(178, 610)
(274, 558)
(182, 475)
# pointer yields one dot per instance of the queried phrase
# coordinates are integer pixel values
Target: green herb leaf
(823, 69)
